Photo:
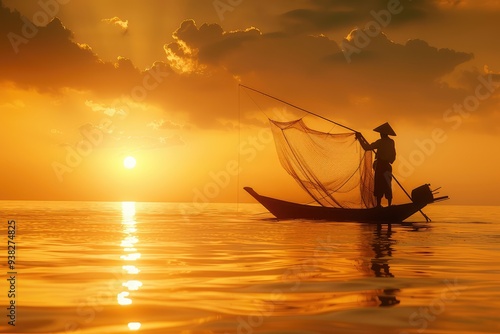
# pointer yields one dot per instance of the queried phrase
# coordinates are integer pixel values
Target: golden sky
(85, 83)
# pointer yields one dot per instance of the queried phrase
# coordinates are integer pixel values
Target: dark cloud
(249, 50)
(208, 43)
(322, 16)
(312, 70)
(47, 59)
(416, 59)
(313, 21)
(386, 74)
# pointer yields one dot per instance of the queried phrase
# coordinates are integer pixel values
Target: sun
(129, 162)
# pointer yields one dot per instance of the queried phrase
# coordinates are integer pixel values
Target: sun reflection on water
(130, 254)
(123, 298)
(133, 285)
(132, 270)
(134, 326)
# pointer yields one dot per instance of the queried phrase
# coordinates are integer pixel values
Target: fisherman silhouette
(384, 157)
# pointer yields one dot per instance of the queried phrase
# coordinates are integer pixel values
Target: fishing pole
(299, 108)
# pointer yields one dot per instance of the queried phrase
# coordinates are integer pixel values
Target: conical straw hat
(385, 129)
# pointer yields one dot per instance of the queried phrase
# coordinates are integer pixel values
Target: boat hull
(289, 210)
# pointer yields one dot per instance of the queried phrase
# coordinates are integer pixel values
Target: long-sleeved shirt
(386, 148)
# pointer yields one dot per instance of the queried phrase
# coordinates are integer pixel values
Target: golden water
(85, 267)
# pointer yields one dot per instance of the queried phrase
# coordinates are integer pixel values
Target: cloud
(313, 71)
(493, 4)
(209, 62)
(247, 50)
(49, 60)
(416, 59)
(105, 110)
(163, 124)
(123, 25)
(322, 16)
(205, 44)
(250, 50)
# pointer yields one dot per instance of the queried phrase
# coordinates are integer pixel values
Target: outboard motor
(422, 195)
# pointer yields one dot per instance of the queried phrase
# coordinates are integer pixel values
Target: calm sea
(89, 267)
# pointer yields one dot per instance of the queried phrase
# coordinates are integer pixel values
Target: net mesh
(332, 168)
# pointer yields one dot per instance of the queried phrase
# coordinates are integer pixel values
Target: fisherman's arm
(364, 144)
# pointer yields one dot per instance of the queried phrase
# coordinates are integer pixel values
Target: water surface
(88, 267)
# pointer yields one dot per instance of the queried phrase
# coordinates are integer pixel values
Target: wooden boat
(330, 168)
(421, 196)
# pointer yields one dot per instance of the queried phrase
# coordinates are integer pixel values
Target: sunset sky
(92, 82)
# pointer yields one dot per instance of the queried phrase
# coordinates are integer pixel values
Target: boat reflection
(381, 244)
(130, 255)
(383, 248)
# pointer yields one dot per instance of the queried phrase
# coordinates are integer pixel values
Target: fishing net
(332, 168)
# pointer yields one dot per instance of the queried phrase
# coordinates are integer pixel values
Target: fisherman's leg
(388, 185)
(388, 195)
(378, 185)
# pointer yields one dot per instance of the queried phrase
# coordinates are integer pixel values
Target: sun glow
(129, 162)
(134, 326)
